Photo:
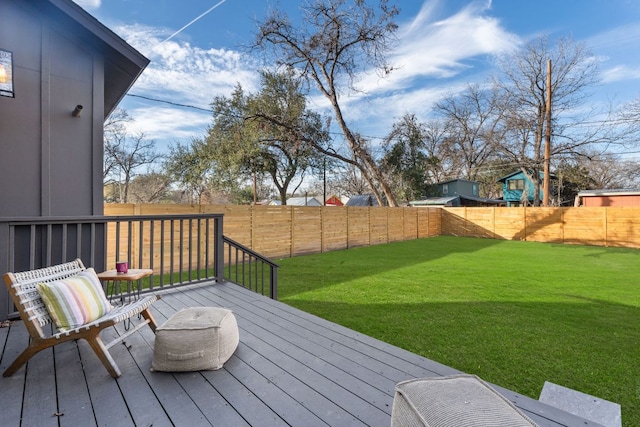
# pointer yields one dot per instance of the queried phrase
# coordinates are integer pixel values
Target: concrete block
(592, 408)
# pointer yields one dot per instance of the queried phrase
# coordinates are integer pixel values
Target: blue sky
(443, 45)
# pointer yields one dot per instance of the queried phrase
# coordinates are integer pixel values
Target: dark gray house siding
(458, 187)
(50, 161)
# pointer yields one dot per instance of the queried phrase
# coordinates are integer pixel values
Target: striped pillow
(75, 301)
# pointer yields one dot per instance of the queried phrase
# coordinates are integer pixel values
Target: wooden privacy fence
(285, 231)
(598, 226)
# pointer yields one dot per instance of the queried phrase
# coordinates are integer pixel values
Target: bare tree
(474, 128)
(347, 181)
(124, 153)
(523, 82)
(610, 171)
(334, 42)
(629, 119)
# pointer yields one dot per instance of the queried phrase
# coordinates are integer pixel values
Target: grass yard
(514, 313)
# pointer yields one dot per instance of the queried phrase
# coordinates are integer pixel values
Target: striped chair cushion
(74, 301)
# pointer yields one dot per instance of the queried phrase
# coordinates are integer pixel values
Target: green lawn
(514, 313)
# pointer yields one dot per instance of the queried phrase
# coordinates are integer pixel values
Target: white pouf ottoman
(454, 401)
(195, 339)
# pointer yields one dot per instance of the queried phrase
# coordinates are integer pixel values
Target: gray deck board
(73, 393)
(290, 369)
(11, 388)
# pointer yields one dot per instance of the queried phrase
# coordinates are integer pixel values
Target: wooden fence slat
(283, 231)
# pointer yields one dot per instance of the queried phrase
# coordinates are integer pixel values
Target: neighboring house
(456, 192)
(617, 198)
(457, 187)
(362, 200)
(63, 74)
(303, 201)
(517, 189)
(334, 201)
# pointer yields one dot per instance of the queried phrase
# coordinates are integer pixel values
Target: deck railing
(180, 249)
(252, 270)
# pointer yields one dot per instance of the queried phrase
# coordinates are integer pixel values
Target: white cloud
(183, 74)
(441, 48)
(88, 4)
(620, 73)
(168, 125)
(613, 48)
(435, 56)
(431, 49)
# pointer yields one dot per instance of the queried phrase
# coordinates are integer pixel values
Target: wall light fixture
(6, 73)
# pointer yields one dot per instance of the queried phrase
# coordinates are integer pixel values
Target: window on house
(475, 189)
(445, 189)
(515, 184)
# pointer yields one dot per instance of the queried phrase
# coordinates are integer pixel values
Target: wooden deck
(290, 369)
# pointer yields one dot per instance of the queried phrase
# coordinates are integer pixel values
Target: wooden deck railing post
(218, 252)
(5, 265)
(273, 294)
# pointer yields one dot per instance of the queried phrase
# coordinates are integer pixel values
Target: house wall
(459, 188)
(613, 201)
(50, 162)
(515, 196)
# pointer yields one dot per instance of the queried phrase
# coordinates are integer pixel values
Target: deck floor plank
(331, 386)
(290, 369)
(140, 397)
(11, 388)
(208, 389)
(252, 409)
(39, 405)
(333, 358)
(217, 410)
(296, 382)
(74, 401)
(270, 391)
(303, 348)
(109, 406)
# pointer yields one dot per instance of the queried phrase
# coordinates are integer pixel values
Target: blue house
(518, 189)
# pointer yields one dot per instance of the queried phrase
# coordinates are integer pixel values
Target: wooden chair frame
(22, 288)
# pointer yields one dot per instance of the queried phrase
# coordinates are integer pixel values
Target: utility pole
(547, 145)
(324, 181)
(255, 189)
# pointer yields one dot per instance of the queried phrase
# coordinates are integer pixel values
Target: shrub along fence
(285, 231)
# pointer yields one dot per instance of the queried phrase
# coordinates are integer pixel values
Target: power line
(208, 110)
(623, 120)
